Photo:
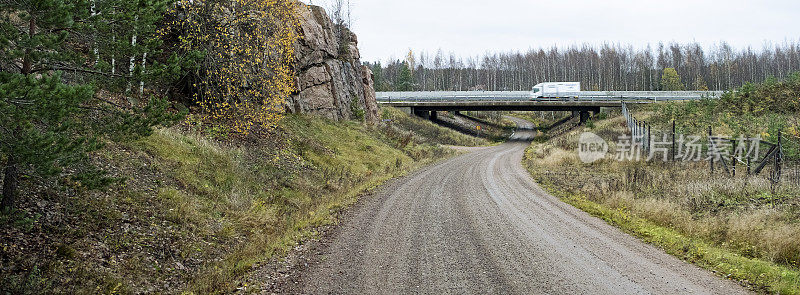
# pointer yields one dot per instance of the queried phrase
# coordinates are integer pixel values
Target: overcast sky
(388, 29)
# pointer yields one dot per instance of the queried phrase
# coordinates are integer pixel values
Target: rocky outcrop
(370, 100)
(331, 81)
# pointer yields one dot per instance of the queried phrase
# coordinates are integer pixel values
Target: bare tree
(606, 67)
(339, 11)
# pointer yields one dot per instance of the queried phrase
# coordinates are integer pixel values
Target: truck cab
(537, 90)
(556, 90)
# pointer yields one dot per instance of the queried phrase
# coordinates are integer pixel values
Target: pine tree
(51, 120)
(405, 81)
(380, 80)
(124, 41)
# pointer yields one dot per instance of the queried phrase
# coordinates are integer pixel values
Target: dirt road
(478, 224)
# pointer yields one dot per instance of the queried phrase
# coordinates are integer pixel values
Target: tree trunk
(27, 61)
(10, 173)
(10, 178)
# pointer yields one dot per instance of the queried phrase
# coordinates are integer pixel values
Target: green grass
(199, 212)
(493, 126)
(541, 119)
(429, 130)
(764, 275)
(275, 199)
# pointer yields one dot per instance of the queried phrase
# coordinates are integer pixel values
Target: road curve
(478, 224)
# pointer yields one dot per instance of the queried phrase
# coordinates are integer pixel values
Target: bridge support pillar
(584, 117)
(433, 116)
(596, 111)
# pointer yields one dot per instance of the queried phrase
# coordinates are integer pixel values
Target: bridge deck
(522, 100)
(632, 96)
(507, 103)
(504, 105)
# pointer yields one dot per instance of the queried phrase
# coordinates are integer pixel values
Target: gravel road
(478, 224)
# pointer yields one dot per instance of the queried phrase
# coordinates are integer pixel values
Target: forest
(75, 75)
(606, 67)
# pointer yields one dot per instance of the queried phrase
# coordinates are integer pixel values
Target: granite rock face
(331, 81)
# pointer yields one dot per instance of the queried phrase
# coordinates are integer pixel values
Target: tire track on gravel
(478, 224)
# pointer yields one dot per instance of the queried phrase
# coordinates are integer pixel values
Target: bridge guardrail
(456, 99)
(629, 96)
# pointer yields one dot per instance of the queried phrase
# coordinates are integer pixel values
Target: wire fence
(724, 154)
(790, 173)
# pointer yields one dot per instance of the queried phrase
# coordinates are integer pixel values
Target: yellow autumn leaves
(248, 69)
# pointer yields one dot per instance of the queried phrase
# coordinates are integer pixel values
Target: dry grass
(737, 214)
(196, 213)
(425, 129)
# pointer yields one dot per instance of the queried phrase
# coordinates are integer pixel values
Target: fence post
(711, 159)
(644, 133)
(641, 135)
(778, 158)
(733, 159)
(644, 136)
(748, 166)
(649, 137)
(673, 140)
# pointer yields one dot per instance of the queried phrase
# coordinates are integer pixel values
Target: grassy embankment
(427, 129)
(196, 212)
(489, 125)
(734, 226)
(549, 124)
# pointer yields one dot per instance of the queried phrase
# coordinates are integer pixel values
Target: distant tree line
(605, 67)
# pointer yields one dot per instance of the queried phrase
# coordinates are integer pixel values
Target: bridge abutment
(407, 110)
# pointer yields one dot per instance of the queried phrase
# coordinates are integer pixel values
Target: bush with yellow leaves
(248, 66)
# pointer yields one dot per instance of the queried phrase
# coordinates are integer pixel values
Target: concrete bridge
(426, 104)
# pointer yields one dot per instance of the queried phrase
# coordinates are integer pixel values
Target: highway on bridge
(596, 96)
(426, 104)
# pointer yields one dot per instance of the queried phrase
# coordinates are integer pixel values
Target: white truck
(556, 90)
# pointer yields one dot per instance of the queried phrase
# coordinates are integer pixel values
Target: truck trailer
(558, 90)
